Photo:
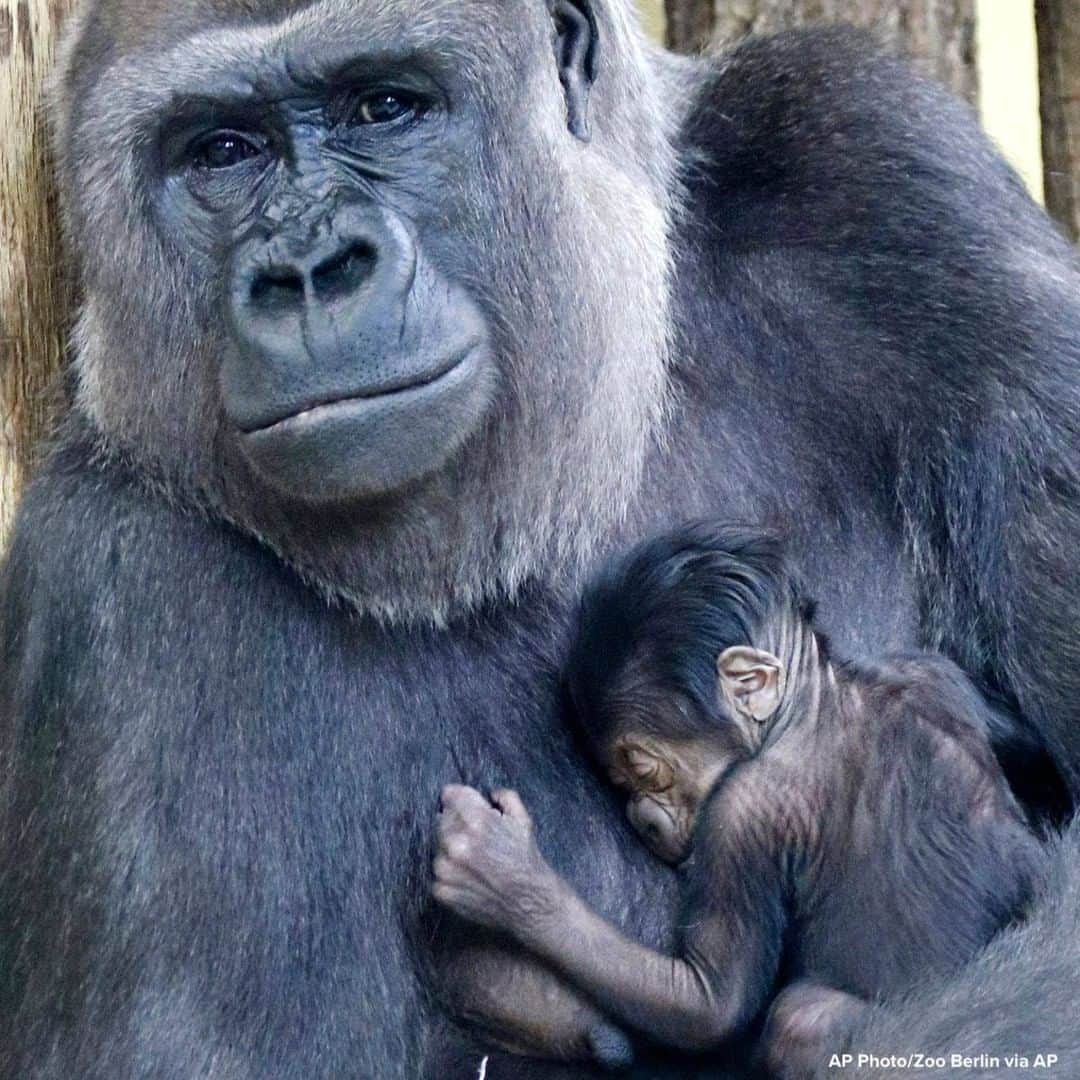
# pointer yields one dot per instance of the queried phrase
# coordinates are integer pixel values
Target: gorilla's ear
(750, 683)
(576, 49)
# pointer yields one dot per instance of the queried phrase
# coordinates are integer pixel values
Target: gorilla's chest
(277, 747)
(296, 754)
(248, 777)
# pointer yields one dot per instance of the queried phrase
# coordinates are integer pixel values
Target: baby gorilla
(842, 830)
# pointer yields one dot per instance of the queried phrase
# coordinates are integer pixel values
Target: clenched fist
(488, 868)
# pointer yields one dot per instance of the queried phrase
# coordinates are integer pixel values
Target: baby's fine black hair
(670, 606)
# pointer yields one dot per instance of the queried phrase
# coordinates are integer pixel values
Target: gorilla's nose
(319, 278)
(340, 268)
(319, 313)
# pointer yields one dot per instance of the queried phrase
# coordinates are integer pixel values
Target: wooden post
(691, 24)
(1058, 24)
(32, 292)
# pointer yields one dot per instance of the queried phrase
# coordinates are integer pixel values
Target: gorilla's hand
(488, 868)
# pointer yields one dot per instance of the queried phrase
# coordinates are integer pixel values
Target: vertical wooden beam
(32, 294)
(691, 24)
(1058, 23)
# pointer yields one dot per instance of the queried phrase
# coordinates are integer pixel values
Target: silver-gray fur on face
(566, 251)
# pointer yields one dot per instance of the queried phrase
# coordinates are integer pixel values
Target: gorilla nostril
(277, 288)
(344, 272)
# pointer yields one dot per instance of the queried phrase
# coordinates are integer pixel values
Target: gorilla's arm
(835, 190)
(143, 856)
(46, 894)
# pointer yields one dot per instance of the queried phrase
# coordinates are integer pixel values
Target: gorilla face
(353, 359)
(385, 284)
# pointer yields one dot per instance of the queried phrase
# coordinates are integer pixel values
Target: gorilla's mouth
(314, 412)
(368, 441)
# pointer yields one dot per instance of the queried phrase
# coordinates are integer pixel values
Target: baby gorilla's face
(667, 781)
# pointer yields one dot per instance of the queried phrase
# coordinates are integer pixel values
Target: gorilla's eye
(223, 150)
(648, 773)
(385, 107)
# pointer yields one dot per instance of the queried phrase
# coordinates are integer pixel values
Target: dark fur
(900, 851)
(845, 833)
(1003, 1003)
(668, 609)
(218, 789)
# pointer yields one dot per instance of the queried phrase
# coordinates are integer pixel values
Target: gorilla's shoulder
(832, 78)
(827, 51)
(826, 129)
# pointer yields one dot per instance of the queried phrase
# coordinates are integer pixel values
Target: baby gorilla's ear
(750, 682)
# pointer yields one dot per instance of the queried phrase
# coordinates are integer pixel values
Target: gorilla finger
(452, 794)
(445, 832)
(509, 802)
(453, 827)
(457, 821)
(444, 893)
(445, 870)
(458, 849)
(459, 798)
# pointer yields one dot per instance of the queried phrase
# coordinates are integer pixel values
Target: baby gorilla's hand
(488, 868)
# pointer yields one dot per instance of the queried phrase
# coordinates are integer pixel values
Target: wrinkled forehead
(197, 41)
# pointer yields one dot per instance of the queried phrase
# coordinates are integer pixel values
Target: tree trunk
(940, 34)
(691, 24)
(32, 300)
(1058, 23)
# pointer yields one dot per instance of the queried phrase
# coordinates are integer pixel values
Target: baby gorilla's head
(667, 678)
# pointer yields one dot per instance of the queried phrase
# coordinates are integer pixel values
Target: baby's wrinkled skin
(787, 833)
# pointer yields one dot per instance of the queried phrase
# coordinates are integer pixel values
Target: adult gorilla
(395, 317)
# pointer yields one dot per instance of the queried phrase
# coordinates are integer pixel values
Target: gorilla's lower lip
(369, 444)
(313, 414)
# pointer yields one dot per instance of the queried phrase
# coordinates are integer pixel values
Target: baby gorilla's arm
(524, 1007)
(520, 1003)
(490, 871)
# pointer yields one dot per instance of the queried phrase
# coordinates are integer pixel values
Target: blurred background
(1016, 61)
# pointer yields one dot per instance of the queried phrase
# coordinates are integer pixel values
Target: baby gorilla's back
(909, 851)
(923, 852)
